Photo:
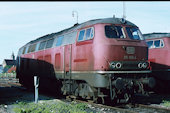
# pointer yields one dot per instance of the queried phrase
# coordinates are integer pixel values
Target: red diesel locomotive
(159, 57)
(102, 59)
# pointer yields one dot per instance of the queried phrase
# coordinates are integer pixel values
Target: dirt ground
(12, 92)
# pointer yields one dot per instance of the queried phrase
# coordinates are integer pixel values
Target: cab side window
(81, 35)
(86, 34)
(88, 31)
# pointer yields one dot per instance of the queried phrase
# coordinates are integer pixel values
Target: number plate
(130, 50)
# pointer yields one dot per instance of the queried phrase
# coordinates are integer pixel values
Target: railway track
(141, 108)
(105, 108)
(125, 108)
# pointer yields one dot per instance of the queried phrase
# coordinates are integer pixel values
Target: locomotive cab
(122, 48)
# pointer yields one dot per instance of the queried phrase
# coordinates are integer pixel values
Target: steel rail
(108, 107)
(154, 107)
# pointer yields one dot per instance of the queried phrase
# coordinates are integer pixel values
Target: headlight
(144, 65)
(112, 65)
(118, 65)
(140, 65)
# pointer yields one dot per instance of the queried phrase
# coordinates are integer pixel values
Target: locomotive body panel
(83, 57)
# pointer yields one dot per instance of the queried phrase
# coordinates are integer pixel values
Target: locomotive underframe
(99, 85)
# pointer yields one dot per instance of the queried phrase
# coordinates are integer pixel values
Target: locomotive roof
(78, 26)
(156, 35)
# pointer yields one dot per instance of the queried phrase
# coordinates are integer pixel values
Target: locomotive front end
(123, 57)
(126, 49)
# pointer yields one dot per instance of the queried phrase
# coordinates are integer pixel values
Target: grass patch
(50, 106)
(166, 103)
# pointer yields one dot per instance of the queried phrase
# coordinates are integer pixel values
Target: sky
(21, 22)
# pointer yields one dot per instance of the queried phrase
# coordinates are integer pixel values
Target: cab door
(68, 57)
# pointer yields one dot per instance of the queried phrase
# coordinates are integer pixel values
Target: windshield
(112, 31)
(134, 33)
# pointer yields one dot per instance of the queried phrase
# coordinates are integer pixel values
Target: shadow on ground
(10, 95)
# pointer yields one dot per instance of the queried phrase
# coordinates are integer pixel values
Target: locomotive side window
(59, 40)
(42, 45)
(31, 48)
(158, 43)
(69, 38)
(49, 43)
(113, 31)
(26, 49)
(88, 31)
(162, 43)
(20, 51)
(91, 30)
(134, 33)
(81, 35)
(155, 44)
(86, 34)
(23, 52)
(92, 33)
